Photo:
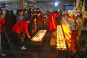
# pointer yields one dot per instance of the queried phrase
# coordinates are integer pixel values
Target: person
(25, 15)
(45, 21)
(30, 12)
(13, 17)
(39, 19)
(1, 24)
(48, 12)
(52, 22)
(20, 15)
(8, 23)
(34, 24)
(21, 26)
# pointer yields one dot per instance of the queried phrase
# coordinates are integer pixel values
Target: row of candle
(61, 45)
(39, 35)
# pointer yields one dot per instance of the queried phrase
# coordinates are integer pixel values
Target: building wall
(61, 5)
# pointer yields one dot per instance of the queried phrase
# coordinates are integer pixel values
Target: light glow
(39, 35)
(61, 45)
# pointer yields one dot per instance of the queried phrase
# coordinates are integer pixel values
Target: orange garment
(52, 21)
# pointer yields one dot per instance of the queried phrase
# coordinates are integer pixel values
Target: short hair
(1, 11)
(7, 11)
(20, 10)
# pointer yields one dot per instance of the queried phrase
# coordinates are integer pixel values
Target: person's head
(20, 12)
(30, 9)
(25, 10)
(7, 11)
(48, 9)
(38, 10)
(17, 11)
(44, 15)
(1, 11)
(11, 11)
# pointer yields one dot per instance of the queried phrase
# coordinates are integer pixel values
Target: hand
(29, 37)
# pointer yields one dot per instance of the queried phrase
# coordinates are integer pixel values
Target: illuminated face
(38, 10)
(21, 13)
(44, 15)
(34, 20)
(28, 21)
(31, 10)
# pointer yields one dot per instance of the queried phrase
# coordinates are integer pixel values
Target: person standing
(20, 15)
(45, 21)
(25, 15)
(13, 17)
(34, 24)
(39, 19)
(8, 23)
(52, 22)
(1, 24)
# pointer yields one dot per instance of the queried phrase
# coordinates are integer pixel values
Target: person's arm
(2, 22)
(25, 27)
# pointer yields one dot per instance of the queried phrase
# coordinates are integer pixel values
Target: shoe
(23, 48)
(3, 55)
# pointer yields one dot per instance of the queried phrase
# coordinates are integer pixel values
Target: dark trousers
(45, 26)
(17, 39)
(0, 46)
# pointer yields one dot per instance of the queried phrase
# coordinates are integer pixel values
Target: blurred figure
(45, 21)
(48, 12)
(17, 11)
(25, 15)
(34, 24)
(39, 19)
(30, 11)
(20, 15)
(1, 25)
(8, 22)
(18, 28)
(13, 17)
(52, 22)
(59, 12)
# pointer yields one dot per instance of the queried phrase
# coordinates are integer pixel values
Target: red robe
(2, 21)
(21, 26)
(52, 21)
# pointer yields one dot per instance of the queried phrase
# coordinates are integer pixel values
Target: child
(34, 24)
(44, 20)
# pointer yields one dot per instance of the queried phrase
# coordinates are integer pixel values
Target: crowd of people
(25, 23)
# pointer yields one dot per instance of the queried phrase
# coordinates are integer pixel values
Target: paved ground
(44, 51)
